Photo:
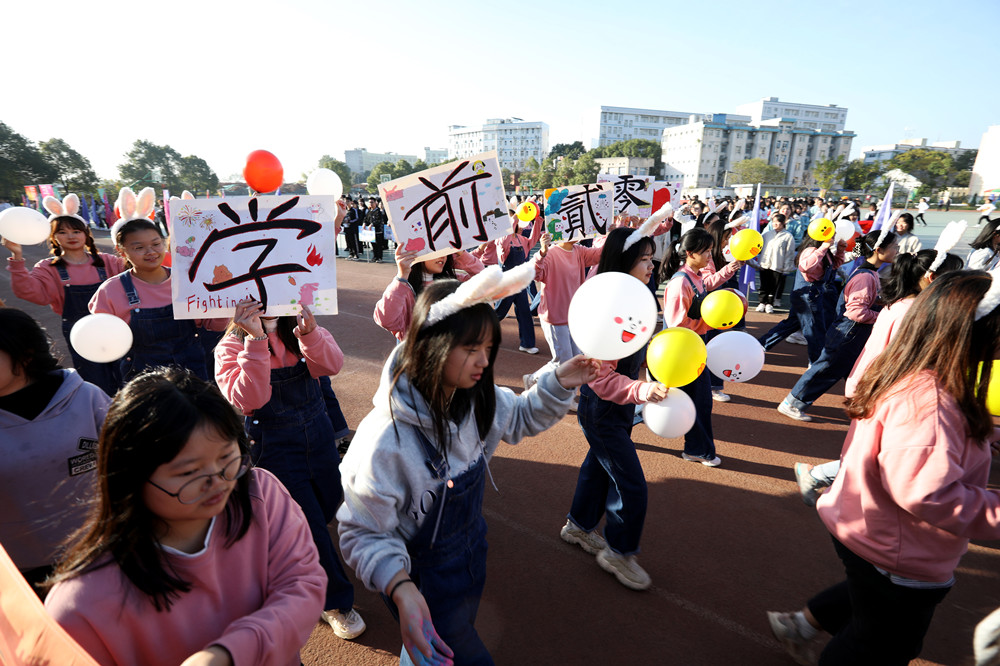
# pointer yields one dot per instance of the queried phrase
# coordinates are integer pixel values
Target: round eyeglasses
(198, 488)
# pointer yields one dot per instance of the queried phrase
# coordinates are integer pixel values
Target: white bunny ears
(185, 195)
(647, 227)
(991, 299)
(948, 239)
(68, 207)
(132, 207)
(489, 285)
(886, 228)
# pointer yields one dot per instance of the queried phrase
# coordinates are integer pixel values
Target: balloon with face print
(746, 244)
(612, 315)
(722, 309)
(735, 356)
(821, 229)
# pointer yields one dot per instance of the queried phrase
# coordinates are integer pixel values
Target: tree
(195, 175)
(73, 169)
(585, 170)
(572, 151)
(861, 176)
(757, 170)
(931, 167)
(21, 163)
(375, 177)
(419, 165)
(633, 148)
(965, 161)
(339, 168)
(828, 172)
(150, 164)
(565, 173)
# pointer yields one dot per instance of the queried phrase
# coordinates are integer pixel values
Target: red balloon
(263, 171)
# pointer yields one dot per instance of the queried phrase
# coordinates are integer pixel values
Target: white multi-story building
(702, 153)
(434, 156)
(986, 171)
(360, 160)
(621, 123)
(885, 152)
(619, 166)
(828, 118)
(515, 141)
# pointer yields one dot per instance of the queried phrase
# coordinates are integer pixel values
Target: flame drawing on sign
(314, 258)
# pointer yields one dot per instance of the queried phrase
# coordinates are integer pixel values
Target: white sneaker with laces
(809, 488)
(346, 625)
(797, 338)
(793, 412)
(786, 630)
(760, 307)
(528, 350)
(707, 462)
(719, 396)
(769, 309)
(592, 542)
(625, 569)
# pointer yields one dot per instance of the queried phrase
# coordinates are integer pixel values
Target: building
(515, 141)
(986, 170)
(619, 166)
(885, 152)
(702, 152)
(829, 118)
(360, 160)
(435, 156)
(620, 123)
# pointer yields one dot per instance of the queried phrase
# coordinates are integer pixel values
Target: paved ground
(722, 545)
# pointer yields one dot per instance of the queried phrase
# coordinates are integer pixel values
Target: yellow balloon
(993, 389)
(746, 244)
(676, 356)
(527, 211)
(722, 309)
(822, 230)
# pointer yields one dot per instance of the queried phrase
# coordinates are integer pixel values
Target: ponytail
(694, 240)
(904, 279)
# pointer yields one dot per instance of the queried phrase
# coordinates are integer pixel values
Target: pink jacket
(525, 243)
(860, 294)
(615, 387)
(243, 367)
(714, 279)
(911, 490)
(884, 329)
(677, 298)
(561, 272)
(111, 298)
(42, 285)
(260, 598)
(486, 253)
(811, 263)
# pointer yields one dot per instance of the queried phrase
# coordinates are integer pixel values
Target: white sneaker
(793, 412)
(809, 488)
(346, 625)
(707, 462)
(528, 350)
(719, 396)
(797, 338)
(769, 309)
(592, 542)
(625, 569)
(801, 649)
(760, 307)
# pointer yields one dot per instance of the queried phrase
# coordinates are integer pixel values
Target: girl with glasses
(188, 555)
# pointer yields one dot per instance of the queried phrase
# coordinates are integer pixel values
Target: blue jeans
(699, 440)
(333, 410)
(844, 343)
(522, 309)
(806, 314)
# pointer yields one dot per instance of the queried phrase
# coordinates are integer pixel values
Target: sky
(305, 78)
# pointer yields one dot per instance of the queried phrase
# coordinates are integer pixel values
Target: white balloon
(101, 337)
(23, 225)
(671, 417)
(611, 316)
(845, 230)
(324, 182)
(735, 356)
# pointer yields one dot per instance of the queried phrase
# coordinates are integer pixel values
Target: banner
(46, 191)
(666, 192)
(633, 194)
(446, 208)
(579, 211)
(277, 249)
(31, 192)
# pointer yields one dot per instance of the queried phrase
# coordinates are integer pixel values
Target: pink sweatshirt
(615, 387)
(525, 243)
(677, 298)
(243, 367)
(42, 285)
(260, 599)
(561, 272)
(911, 490)
(111, 298)
(811, 263)
(860, 294)
(487, 255)
(884, 329)
(714, 279)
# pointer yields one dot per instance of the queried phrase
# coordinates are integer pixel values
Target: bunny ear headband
(131, 207)
(646, 228)
(69, 207)
(991, 299)
(948, 239)
(886, 228)
(489, 285)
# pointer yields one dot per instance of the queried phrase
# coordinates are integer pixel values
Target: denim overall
(448, 557)
(522, 308)
(844, 343)
(806, 312)
(159, 339)
(611, 480)
(75, 300)
(292, 438)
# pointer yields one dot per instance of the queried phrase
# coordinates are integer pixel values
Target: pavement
(722, 545)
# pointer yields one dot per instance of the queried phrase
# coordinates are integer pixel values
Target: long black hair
(986, 236)
(694, 241)
(616, 259)
(418, 273)
(26, 343)
(55, 249)
(908, 270)
(866, 244)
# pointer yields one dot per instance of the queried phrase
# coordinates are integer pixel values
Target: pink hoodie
(678, 295)
(525, 243)
(860, 294)
(42, 285)
(111, 298)
(811, 262)
(885, 328)
(911, 490)
(561, 273)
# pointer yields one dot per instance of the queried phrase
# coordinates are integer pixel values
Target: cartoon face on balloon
(746, 244)
(735, 356)
(630, 328)
(822, 229)
(612, 315)
(733, 375)
(527, 211)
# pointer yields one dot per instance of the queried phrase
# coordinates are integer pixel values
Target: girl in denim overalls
(68, 280)
(411, 524)
(269, 369)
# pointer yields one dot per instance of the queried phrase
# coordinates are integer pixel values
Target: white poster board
(449, 207)
(666, 192)
(633, 194)
(579, 211)
(279, 250)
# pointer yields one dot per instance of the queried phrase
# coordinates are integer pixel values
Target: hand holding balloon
(652, 392)
(24, 225)
(15, 249)
(671, 417)
(420, 639)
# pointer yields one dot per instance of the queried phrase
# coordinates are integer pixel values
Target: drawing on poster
(579, 211)
(633, 194)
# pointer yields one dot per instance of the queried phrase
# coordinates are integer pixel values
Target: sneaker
(346, 625)
(786, 630)
(625, 569)
(797, 338)
(343, 444)
(592, 542)
(707, 462)
(528, 350)
(793, 412)
(777, 302)
(760, 308)
(529, 381)
(809, 488)
(769, 309)
(719, 396)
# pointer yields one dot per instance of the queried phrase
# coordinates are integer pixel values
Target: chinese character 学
(444, 209)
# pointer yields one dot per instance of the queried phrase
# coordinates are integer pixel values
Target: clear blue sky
(305, 78)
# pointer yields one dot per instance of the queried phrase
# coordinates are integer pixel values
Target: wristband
(258, 339)
(393, 589)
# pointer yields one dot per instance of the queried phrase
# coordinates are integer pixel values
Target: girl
(856, 312)
(682, 307)
(922, 208)
(141, 296)
(611, 481)
(912, 488)
(50, 420)
(986, 247)
(817, 267)
(411, 524)
(513, 250)
(726, 279)
(68, 280)
(777, 260)
(394, 310)
(188, 555)
(268, 367)
(908, 243)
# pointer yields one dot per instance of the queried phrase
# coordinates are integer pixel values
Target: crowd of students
(212, 446)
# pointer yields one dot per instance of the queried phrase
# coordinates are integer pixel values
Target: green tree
(585, 170)
(757, 170)
(933, 168)
(505, 175)
(531, 166)
(565, 173)
(339, 168)
(633, 148)
(861, 176)
(965, 161)
(150, 164)
(375, 177)
(21, 163)
(419, 165)
(194, 174)
(572, 151)
(73, 169)
(828, 172)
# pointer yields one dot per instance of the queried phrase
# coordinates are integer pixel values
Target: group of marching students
(233, 424)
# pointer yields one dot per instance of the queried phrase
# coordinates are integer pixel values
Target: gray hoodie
(388, 490)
